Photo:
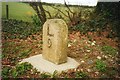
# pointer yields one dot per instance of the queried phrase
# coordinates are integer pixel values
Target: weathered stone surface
(43, 65)
(55, 37)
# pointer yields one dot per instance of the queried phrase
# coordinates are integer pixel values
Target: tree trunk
(37, 6)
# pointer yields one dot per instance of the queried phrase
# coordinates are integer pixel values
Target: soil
(85, 49)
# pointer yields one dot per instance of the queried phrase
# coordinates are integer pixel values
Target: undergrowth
(18, 29)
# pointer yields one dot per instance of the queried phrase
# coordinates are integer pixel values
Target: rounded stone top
(56, 23)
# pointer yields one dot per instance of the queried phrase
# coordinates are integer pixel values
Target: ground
(96, 50)
(87, 52)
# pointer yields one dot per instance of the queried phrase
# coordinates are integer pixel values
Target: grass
(22, 11)
(5, 72)
(81, 75)
(109, 50)
(17, 10)
(100, 65)
(44, 75)
(25, 53)
(18, 29)
(18, 70)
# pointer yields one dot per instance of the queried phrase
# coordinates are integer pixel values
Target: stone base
(43, 65)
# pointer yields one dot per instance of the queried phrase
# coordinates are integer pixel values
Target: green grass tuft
(100, 65)
(109, 50)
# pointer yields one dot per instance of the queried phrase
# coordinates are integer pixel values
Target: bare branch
(37, 6)
(48, 13)
(59, 11)
(69, 16)
(67, 6)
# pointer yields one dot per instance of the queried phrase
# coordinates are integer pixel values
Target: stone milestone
(55, 37)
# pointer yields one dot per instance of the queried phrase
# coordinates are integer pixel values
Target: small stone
(109, 55)
(82, 61)
(94, 41)
(78, 70)
(98, 57)
(89, 70)
(75, 69)
(97, 73)
(69, 45)
(36, 52)
(101, 52)
(111, 60)
(106, 57)
(117, 53)
(90, 62)
(28, 38)
(88, 50)
(93, 44)
(19, 60)
(74, 40)
(81, 69)
(103, 55)
(89, 42)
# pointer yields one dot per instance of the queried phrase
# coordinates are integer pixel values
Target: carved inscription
(49, 35)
